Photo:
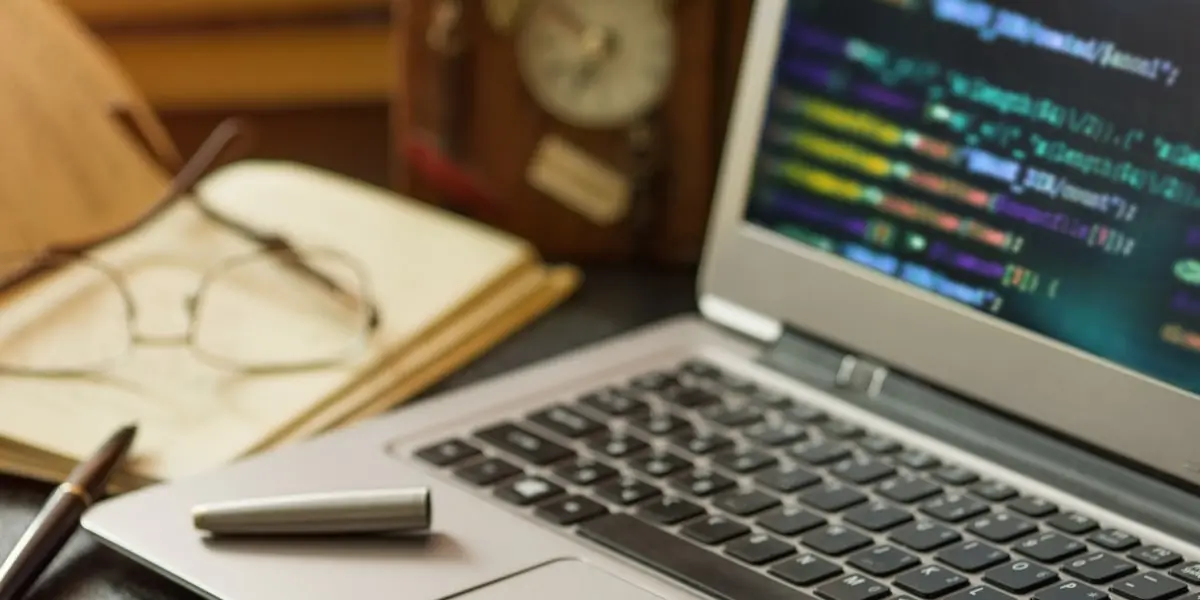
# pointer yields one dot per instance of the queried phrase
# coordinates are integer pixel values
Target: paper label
(580, 181)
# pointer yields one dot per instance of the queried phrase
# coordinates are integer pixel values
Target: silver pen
(383, 511)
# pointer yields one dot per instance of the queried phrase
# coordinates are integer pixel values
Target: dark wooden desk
(610, 301)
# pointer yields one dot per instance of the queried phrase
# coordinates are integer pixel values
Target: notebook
(448, 288)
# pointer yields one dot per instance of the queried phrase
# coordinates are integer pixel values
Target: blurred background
(363, 88)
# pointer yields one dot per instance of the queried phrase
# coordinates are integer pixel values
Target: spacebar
(708, 572)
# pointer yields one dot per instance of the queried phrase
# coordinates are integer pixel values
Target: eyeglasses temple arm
(183, 185)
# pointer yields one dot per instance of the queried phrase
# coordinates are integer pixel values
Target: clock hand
(596, 41)
(565, 17)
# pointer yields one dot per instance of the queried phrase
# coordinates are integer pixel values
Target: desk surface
(610, 301)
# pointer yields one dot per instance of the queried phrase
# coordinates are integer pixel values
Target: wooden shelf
(273, 67)
(105, 13)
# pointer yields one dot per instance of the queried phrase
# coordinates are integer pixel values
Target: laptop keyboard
(747, 494)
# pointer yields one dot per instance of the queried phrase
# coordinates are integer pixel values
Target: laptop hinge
(944, 415)
(805, 358)
(862, 375)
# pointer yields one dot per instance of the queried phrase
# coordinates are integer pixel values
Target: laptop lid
(999, 198)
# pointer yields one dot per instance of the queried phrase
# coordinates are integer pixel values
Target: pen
(59, 517)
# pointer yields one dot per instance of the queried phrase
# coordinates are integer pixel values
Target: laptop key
(585, 472)
(835, 540)
(863, 470)
(733, 416)
(883, 561)
(1189, 572)
(627, 491)
(983, 592)
(831, 497)
(714, 530)
(708, 572)
(917, 460)
(700, 369)
(1099, 567)
(1156, 557)
(775, 434)
(566, 422)
(654, 381)
(972, 556)
(1049, 547)
(1033, 507)
(876, 444)
(803, 413)
(1001, 528)
(702, 443)
(702, 483)
(1148, 586)
(954, 508)
(618, 445)
(759, 549)
(743, 503)
(660, 464)
(787, 478)
(669, 510)
(523, 444)
(1020, 577)
(1070, 590)
(994, 491)
(805, 570)
(955, 475)
(570, 510)
(1114, 539)
(614, 402)
(528, 490)
(790, 520)
(924, 536)
(446, 453)
(823, 453)
(745, 461)
(691, 397)
(907, 489)
(488, 471)
(853, 587)
(877, 516)
(842, 430)
(931, 581)
(659, 423)
(1073, 523)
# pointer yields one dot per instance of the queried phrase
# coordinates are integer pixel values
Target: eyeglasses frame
(182, 188)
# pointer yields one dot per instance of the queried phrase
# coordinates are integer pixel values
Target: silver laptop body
(938, 354)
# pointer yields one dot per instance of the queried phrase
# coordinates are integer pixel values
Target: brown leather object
(504, 126)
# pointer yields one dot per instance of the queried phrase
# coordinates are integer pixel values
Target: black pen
(59, 517)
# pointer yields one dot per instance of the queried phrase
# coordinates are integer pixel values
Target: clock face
(597, 63)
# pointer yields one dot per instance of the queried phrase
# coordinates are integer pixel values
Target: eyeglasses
(277, 308)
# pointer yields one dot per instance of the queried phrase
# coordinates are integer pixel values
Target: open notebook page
(420, 262)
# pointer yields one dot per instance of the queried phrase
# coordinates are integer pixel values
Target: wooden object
(119, 12)
(316, 76)
(505, 125)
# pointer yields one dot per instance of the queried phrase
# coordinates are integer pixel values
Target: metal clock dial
(597, 63)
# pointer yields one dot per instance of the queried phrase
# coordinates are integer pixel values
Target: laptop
(946, 347)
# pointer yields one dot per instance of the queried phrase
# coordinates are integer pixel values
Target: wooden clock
(592, 128)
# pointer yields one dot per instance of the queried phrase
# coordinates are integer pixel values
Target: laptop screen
(1035, 160)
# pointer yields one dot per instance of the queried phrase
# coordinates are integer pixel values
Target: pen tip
(127, 431)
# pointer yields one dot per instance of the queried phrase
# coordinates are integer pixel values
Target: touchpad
(563, 579)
